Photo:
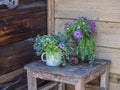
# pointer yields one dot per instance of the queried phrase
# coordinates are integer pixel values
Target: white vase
(52, 60)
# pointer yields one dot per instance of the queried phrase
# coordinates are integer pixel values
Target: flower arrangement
(83, 32)
(53, 44)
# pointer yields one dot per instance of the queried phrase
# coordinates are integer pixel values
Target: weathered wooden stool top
(68, 74)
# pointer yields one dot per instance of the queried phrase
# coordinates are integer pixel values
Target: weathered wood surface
(15, 56)
(82, 70)
(23, 23)
(110, 54)
(48, 86)
(103, 10)
(32, 81)
(16, 25)
(51, 13)
(16, 49)
(82, 73)
(16, 29)
(10, 76)
(104, 79)
(17, 82)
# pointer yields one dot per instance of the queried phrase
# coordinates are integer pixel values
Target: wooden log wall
(106, 13)
(17, 28)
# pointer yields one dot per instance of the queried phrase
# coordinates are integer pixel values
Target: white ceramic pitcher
(52, 60)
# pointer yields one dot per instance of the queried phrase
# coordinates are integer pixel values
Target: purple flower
(62, 46)
(92, 25)
(77, 34)
(84, 18)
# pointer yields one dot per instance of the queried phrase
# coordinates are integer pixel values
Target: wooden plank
(114, 86)
(105, 10)
(15, 53)
(15, 12)
(51, 16)
(40, 70)
(48, 86)
(32, 82)
(61, 86)
(22, 27)
(111, 54)
(107, 32)
(14, 83)
(9, 76)
(104, 79)
(80, 85)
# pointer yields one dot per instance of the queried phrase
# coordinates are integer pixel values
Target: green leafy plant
(83, 32)
(53, 44)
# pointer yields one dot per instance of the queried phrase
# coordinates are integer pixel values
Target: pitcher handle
(43, 56)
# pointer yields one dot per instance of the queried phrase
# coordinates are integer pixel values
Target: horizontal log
(22, 11)
(18, 54)
(22, 27)
(14, 83)
(10, 76)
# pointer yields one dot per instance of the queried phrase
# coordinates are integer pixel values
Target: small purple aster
(77, 34)
(62, 46)
(93, 25)
(84, 18)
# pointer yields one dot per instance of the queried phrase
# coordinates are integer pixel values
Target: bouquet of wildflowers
(53, 44)
(83, 32)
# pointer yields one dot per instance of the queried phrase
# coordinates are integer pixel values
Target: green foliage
(83, 32)
(53, 44)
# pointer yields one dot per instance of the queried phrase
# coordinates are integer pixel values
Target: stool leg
(61, 86)
(104, 79)
(32, 82)
(80, 85)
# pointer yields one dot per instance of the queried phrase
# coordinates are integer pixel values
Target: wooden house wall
(106, 14)
(17, 28)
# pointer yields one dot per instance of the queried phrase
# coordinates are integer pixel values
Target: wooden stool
(77, 75)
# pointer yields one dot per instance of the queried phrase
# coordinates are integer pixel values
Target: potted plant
(55, 47)
(83, 32)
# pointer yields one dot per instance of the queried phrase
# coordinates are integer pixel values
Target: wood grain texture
(16, 49)
(104, 79)
(114, 86)
(32, 81)
(23, 10)
(21, 27)
(105, 10)
(17, 82)
(10, 76)
(15, 56)
(51, 13)
(83, 71)
(111, 54)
